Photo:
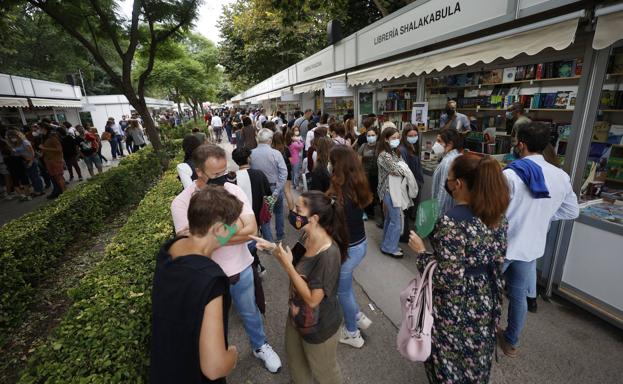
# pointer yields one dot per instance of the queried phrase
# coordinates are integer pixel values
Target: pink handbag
(414, 336)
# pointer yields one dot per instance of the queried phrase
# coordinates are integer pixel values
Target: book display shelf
(395, 103)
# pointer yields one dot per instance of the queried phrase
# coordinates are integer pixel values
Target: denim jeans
(518, 276)
(296, 172)
(279, 221)
(35, 179)
(345, 289)
(391, 229)
(228, 131)
(243, 296)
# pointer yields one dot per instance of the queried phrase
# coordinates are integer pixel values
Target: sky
(206, 23)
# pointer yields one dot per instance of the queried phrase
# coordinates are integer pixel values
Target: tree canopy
(263, 37)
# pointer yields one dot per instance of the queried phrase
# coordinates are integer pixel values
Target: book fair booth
(562, 60)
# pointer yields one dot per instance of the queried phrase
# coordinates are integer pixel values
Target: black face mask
(221, 180)
(449, 111)
(297, 221)
(445, 186)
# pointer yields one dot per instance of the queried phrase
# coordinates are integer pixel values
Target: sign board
(337, 88)
(53, 90)
(6, 88)
(425, 23)
(281, 79)
(530, 7)
(320, 64)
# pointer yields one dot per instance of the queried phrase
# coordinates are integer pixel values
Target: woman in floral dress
(469, 245)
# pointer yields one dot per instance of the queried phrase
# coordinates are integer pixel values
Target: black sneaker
(532, 305)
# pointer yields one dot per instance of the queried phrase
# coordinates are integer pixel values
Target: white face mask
(438, 149)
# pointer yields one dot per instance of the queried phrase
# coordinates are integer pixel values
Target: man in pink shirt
(234, 258)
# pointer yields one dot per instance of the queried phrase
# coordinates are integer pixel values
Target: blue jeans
(116, 147)
(243, 296)
(345, 289)
(33, 175)
(519, 279)
(279, 221)
(228, 130)
(296, 172)
(393, 224)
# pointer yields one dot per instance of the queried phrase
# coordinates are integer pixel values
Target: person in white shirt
(217, 126)
(540, 193)
(309, 138)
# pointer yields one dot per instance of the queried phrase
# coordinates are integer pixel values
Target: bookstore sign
(430, 22)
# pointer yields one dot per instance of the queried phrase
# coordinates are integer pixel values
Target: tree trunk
(150, 127)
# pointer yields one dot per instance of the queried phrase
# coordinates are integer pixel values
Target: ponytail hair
(330, 217)
(488, 189)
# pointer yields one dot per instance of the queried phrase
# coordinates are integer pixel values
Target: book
(571, 101)
(451, 80)
(564, 69)
(496, 76)
(616, 63)
(550, 100)
(521, 73)
(509, 74)
(548, 70)
(578, 64)
(607, 99)
(539, 71)
(562, 100)
(461, 80)
(530, 72)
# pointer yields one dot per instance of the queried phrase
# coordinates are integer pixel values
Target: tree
(151, 24)
(37, 48)
(186, 71)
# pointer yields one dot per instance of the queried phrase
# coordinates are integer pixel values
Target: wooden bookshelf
(612, 110)
(406, 110)
(511, 82)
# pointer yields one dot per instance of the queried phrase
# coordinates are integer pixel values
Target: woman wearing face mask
(367, 155)
(469, 244)
(349, 185)
(295, 144)
(320, 176)
(449, 145)
(388, 163)
(410, 152)
(314, 316)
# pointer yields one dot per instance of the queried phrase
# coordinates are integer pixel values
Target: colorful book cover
(562, 100)
(550, 100)
(509, 74)
(539, 71)
(578, 64)
(496, 76)
(548, 70)
(521, 73)
(461, 80)
(571, 103)
(607, 99)
(565, 69)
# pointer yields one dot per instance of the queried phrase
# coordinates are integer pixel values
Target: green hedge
(104, 337)
(30, 245)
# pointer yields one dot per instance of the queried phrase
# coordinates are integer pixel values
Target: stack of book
(611, 99)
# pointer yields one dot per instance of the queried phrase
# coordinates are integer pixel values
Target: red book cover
(539, 71)
(578, 67)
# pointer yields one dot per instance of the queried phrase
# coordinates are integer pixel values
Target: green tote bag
(427, 215)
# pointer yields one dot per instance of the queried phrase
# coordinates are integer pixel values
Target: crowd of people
(491, 229)
(34, 158)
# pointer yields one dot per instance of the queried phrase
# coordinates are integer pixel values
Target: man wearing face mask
(270, 161)
(540, 193)
(234, 258)
(449, 145)
(453, 119)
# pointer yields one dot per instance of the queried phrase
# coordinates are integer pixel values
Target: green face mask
(222, 240)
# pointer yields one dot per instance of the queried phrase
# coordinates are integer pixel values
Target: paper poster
(419, 115)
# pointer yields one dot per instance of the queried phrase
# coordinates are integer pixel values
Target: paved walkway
(561, 343)
(12, 209)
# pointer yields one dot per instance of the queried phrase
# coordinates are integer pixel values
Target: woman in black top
(350, 186)
(410, 152)
(320, 176)
(190, 296)
(279, 144)
(70, 153)
(314, 317)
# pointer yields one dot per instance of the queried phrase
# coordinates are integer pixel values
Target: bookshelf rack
(511, 82)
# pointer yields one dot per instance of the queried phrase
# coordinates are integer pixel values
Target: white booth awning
(309, 87)
(505, 45)
(608, 29)
(13, 102)
(56, 103)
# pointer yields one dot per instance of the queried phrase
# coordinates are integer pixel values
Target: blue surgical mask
(394, 143)
(509, 115)
(371, 139)
(412, 139)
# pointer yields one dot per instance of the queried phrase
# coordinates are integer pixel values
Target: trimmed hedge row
(30, 245)
(104, 337)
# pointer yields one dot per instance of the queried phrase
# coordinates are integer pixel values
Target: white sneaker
(354, 341)
(270, 358)
(363, 322)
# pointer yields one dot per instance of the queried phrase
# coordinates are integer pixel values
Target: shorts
(93, 159)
